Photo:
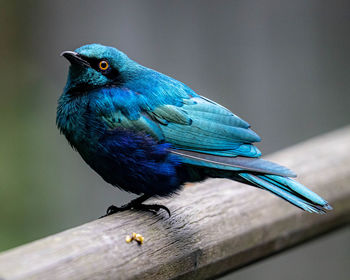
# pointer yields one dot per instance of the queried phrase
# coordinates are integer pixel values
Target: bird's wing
(200, 125)
(200, 131)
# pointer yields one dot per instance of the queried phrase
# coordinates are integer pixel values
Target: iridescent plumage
(149, 134)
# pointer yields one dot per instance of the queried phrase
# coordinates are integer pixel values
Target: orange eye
(103, 65)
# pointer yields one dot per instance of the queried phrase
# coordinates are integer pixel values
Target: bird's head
(94, 66)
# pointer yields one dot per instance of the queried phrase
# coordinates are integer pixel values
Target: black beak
(75, 58)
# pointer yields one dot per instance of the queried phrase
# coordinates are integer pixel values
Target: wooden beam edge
(216, 226)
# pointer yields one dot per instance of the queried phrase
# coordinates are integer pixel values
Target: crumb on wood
(135, 236)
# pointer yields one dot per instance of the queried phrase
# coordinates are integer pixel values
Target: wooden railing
(215, 227)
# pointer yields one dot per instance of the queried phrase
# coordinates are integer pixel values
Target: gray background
(282, 65)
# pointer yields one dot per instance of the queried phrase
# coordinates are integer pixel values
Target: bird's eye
(103, 65)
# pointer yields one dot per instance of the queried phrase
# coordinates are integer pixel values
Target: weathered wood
(216, 226)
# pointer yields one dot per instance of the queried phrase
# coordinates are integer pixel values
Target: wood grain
(215, 227)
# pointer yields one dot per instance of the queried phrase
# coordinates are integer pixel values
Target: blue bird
(149, 134)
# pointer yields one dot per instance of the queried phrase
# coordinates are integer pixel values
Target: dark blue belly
(135, 163)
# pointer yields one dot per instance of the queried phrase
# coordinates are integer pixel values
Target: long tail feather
(232, 163)
(290, 190)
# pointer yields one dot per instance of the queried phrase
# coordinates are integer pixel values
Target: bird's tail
(289, 190)
(257, 172)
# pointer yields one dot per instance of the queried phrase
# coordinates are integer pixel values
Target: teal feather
(238, 163)
(280, 187)
(295, 187)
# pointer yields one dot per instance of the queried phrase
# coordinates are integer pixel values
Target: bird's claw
(154, 208)
(111, 210)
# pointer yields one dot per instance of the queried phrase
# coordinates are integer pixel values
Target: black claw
(111, 210)
(158, 207)
(137, 204)
(152, 207)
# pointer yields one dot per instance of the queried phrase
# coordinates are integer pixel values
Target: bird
(149, 134)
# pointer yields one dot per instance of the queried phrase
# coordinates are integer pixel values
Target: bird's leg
(136, 204)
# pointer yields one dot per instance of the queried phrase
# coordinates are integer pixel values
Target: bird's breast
(78, 123)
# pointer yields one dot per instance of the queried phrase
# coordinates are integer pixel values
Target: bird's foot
(154, 208)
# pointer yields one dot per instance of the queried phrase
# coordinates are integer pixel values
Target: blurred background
(284, 66)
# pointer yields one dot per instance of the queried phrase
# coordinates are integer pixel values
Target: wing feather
(233, 163)
(195, 124)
